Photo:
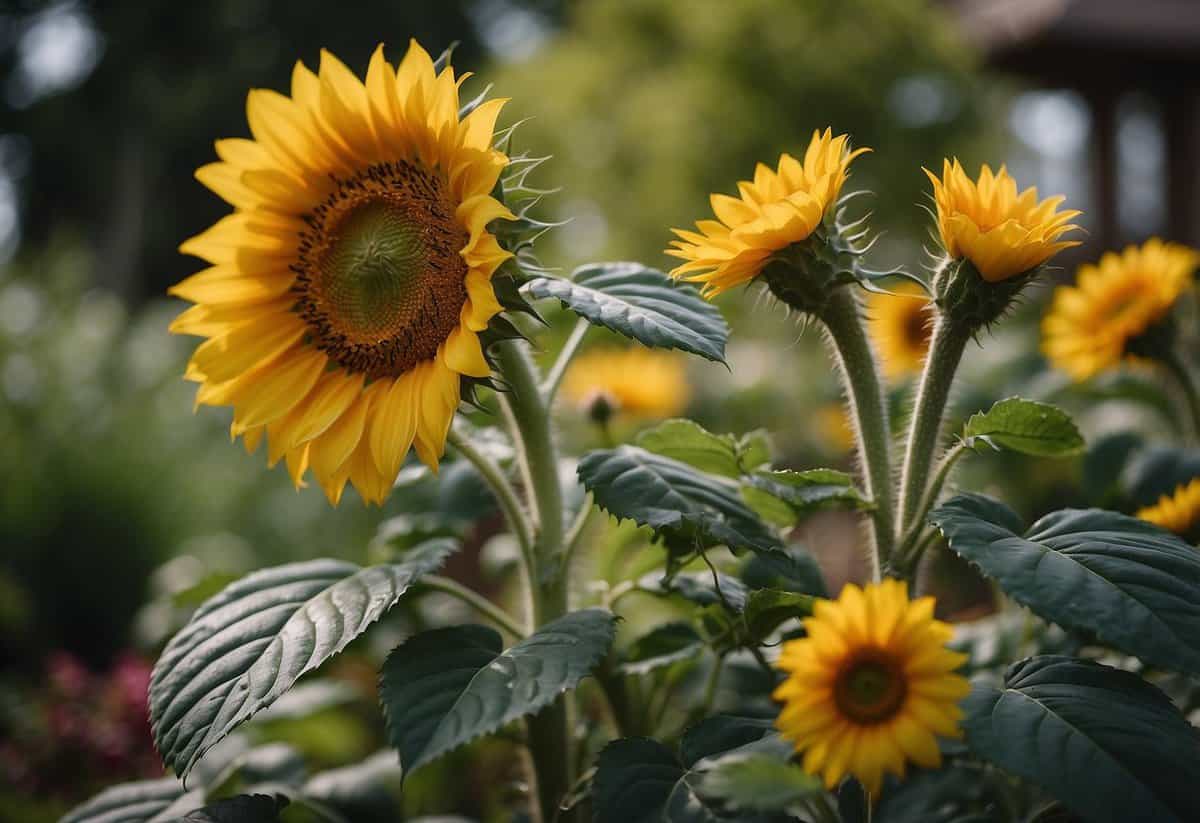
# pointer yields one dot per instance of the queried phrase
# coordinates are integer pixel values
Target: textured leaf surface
(249, 644)
(1130, 583)
(128, 803)
(749, 781)
(443, 688)
(641, 303)
(790, 570)
(1103, 741)
(1025, 426)
(676, 500)
(768, 609)
(689, 442)
(811, 490)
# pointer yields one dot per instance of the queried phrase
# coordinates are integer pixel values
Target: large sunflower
(1089, 325)
(1178, 512)
(636, 381)
(1002, 232)
(871, 686)
(347, 290)
(778, 208)
(901, 324)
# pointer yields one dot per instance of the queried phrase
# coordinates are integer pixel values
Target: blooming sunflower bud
(786, 226)
(996, 240)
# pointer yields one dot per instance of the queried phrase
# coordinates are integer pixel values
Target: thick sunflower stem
(868, 407)
(551, 743)
(945, 352)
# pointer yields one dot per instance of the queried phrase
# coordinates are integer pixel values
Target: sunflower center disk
(871, 689)
(381, 281)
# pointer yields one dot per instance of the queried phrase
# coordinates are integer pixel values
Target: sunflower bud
(996, 241)
(785, 225)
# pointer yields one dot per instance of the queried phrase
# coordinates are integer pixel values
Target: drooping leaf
(245, 808)
(810, 490)
(768, 609)
(640, 303)
(443, 688)
(248, 645)
(663, 645)
(1104, 742)
(790, 570)
(676, 500)
(1025, 426)
(128, 802)
(698, 587)
(1126, 581)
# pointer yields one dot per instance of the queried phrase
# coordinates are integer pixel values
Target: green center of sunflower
(870, 688)
(381, 281)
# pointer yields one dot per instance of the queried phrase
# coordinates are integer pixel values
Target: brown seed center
(870, 687)
(381, 281)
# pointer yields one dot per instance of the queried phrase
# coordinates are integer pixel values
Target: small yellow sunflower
(901, 324)
(1178, 512)
(1090, 324)
(347, 289)
(636, 381)
(1001, 232)
(775, 210)
(831, 423)
(871, 686)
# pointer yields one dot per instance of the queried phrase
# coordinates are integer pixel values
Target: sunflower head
(636, 381)
(1177, 512)
(1118, 307)
(783, 224)
(349, 296)
(901, 323)
(1002, 232)
(871, 686)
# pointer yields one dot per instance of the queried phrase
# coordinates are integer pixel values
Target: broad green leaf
(689, 442)
(640, 303)
(443, 688)
(721, 733)
(1025, 426)
(754, 782)
(790, 570)
(680, 503)
(811, 490)
(249, 644)
(1128, 582)
(128, 803)
(663, 645)
(639, 780)
(1104, 742)
(245, 808)
(767, 609)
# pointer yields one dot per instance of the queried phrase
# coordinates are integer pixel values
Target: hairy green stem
(1187, 385)
(945, 351)
(908, 552)
(475, 600)
(565, 356)
(868, 406)
(526, 408)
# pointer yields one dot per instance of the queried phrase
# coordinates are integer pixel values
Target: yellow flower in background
(1001, 232)
(637, 381)
(1089, 325)
(1178, 512)
(901, 324)
(778, 208)
(347, 289)
(871, 686)
(834, 428)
